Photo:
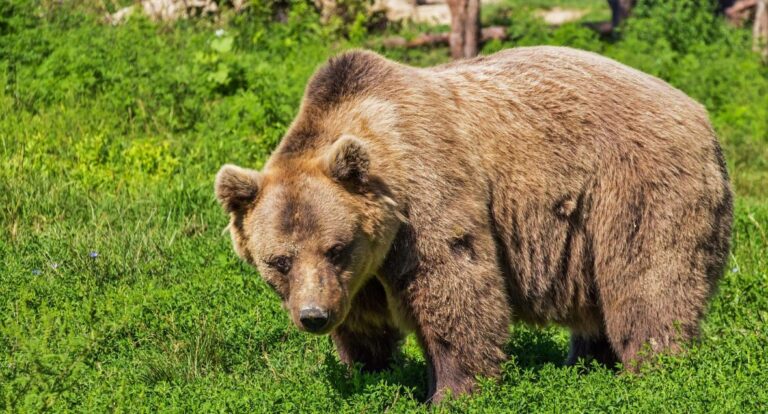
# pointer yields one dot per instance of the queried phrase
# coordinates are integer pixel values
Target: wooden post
(760, 32)
(465, 28)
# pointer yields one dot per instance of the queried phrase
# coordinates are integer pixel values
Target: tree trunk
(761, 28)
(465, 28)
(620, 10)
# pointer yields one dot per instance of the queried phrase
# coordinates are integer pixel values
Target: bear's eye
(280, 263)
(336, 253)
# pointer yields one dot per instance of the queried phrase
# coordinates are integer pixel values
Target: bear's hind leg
(654, 307)
(372, 351)
(654, 302)
(657, 260)
(638, 329)
(591, 347)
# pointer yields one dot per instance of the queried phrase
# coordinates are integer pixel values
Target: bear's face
(309, 230)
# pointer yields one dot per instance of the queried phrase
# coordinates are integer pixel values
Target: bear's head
(316, 227)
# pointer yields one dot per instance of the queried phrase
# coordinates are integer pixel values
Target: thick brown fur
(543, 184)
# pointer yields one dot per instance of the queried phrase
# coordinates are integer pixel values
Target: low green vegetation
(119, 292)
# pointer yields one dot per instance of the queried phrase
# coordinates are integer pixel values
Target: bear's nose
(313, 318)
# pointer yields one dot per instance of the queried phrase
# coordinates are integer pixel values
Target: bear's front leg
(367, 336)
(460, 308)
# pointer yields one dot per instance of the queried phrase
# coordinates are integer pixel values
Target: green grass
(109, 140)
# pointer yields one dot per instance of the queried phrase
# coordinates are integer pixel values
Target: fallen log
(434, 39)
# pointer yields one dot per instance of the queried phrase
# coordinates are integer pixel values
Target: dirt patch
(557, 16)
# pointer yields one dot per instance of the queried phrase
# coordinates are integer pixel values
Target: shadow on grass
(408, 372)
(531, 348)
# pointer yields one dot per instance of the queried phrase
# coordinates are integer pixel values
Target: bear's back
(578, 90)
(540, 107)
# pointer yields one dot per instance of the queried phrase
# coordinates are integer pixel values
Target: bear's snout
(313, 318)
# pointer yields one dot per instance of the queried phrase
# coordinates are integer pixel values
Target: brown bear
(541, 184)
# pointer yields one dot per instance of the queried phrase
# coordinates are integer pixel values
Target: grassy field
(119, 292)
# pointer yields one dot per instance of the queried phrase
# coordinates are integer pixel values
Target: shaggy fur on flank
(542, 184)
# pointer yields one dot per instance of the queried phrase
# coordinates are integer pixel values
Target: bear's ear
(236, 187)
(348, 160)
